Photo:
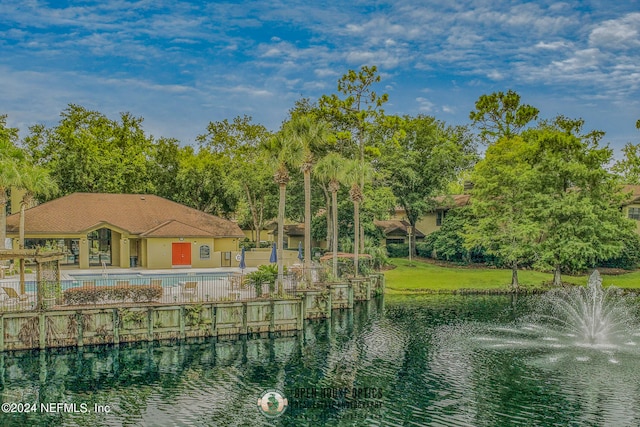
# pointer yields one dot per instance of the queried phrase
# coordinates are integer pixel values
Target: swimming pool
(165, 279)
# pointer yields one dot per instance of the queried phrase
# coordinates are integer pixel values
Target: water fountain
(578, 345)
(591, 315)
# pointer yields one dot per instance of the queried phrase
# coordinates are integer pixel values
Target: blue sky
(181, 64)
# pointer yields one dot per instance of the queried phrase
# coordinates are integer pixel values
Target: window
(395, 241)
(69, 246)
(99, 247)
(634, 213)
(439, 217)
(205, 252)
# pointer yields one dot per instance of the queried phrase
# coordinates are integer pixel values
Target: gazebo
(47, 268)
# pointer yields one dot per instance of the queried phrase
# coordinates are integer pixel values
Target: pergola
(47, 267)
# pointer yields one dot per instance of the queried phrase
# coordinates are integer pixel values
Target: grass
(422, 276)
(629, 280)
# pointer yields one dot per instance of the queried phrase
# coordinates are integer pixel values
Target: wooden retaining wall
(115, 325)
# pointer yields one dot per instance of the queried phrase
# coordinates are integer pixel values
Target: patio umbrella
(242, 263)
(274, 255)
(300, 257)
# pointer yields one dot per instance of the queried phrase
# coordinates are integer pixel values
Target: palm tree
(9, 177)
(285, 151)
(34, 180)
(331, 169)
(356, 174)
(311, 135)
(10, 159)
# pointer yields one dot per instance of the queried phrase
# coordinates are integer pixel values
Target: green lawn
(425, 276)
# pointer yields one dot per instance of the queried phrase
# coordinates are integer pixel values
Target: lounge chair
(190, 289)
(15, 297)
(235, 283)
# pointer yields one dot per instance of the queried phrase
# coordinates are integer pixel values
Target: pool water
(168, 279)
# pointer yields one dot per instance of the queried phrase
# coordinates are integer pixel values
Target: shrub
(398, 250)
(346, 268)
(317, 250)
(425, 249)
(266, 273)
(95, 294)
(246, 244)
(378, 254)
(629, 257)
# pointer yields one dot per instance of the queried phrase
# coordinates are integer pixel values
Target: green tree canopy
(239, 145)
(501, 115)
(88, 152)
(503, 220)
(577, 200)
(423, 160)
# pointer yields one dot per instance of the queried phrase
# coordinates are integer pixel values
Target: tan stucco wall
(158, 252)
(427, 223)
(264, 235)
(142, 260)
(116, 250)
(226, 244)
(294, 241)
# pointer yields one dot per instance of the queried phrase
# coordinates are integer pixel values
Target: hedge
(398, 250)
(96, 294)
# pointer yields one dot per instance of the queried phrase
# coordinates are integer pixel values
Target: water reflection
(427, 360)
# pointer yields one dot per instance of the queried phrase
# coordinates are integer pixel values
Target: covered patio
(47, 275)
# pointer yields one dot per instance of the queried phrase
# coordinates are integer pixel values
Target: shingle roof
(135, 213)
(445, 202)
(290, 230)
(396, 227)
(451, 201)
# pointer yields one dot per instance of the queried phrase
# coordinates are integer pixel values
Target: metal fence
(163, 289)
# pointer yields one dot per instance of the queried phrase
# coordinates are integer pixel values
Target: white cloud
(425, 105)
(617, 34)
(554, 45)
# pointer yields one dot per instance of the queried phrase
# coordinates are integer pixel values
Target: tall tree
(355, 115)
(503, 209)
(88, 152)
(202, 182)
(577, 199)
(164, 166)
(501, 115)
(237, 144)
(286, 153)
(422, 160)
(355, 170)
(312, 136)
(34, 180)
(331, 169)
(10, 157)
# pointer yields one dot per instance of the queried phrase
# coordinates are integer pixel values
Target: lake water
(419, 361)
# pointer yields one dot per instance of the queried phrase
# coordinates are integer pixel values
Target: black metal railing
(163, 289)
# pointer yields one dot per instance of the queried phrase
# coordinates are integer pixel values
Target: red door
(181, 254)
